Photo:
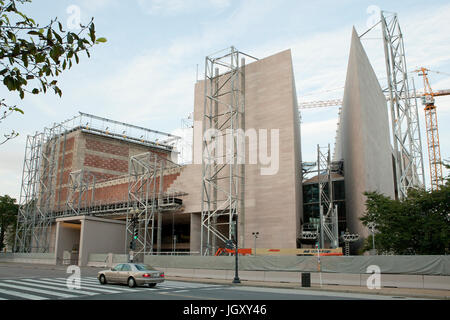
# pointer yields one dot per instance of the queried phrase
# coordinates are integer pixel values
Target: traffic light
(133, 245)
(135, 233)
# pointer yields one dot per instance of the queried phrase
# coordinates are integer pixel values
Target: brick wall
(119, 192)
(106, 158)
(104, 147)
(100, 162)
(65, 167)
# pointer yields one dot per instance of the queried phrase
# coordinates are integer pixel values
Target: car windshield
(143, 267)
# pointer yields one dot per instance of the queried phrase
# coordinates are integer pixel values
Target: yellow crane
(434, 149)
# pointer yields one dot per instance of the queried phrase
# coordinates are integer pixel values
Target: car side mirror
(113, 269)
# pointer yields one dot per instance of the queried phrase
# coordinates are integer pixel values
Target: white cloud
(150, 86)
(94, 5)
(173, 7)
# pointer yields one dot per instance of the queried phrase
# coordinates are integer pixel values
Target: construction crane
(338, 102)
(434, 149)
(427, 96)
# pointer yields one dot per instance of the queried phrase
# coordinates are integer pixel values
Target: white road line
(21, 295)
(41, 284)
(50, 293)
(206, 289)
(117, 289)
(99, 288)
(181, 291)
(190, 285)
(92, 281)
(175, 287)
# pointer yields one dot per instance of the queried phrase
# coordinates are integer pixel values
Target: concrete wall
(37, 258)
(364, 137)
(273, 203)
(67, 236)
(101, 235)
(106, 260)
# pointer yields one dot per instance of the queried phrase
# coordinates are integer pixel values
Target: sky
(145, 73)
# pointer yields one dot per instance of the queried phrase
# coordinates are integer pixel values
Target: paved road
(55, 288)
(40, 282)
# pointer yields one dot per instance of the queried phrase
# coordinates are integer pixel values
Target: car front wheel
(102, 279)
(131, 283)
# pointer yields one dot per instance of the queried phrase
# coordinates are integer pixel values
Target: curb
(297, 287)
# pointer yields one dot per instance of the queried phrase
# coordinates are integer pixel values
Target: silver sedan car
(132, 274)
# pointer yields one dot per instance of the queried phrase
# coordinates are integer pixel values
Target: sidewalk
(396, 292)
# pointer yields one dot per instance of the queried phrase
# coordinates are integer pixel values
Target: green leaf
(18, 110)
(101, 40)
(35, 91)
(49, 34)
(25, 60)
(57, 36)
(92, 33)
(39, 58)
(35, 33)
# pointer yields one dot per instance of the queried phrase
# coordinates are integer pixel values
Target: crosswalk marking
(171, 287)
(92, 281)
(98, 285)
(100, 288)
(41, 284)
(46, 292)
(21, 295)
(34, 288)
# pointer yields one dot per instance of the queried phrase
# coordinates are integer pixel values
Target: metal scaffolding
(81, 192)
(408, 154)
(28, 194)
(148, 200)
(38, 189)
(40, 195)
(223, 175)
(328, 210)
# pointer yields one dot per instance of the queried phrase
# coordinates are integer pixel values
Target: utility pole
(236, 239)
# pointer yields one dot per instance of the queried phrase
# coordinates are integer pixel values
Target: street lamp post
(255, 234)
(236, 253)
(371, 226)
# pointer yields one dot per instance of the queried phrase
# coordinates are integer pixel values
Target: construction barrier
(414, 265)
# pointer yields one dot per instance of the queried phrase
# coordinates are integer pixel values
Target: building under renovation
(94, 185)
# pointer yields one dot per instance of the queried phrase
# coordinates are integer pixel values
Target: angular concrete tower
(273, 202)
(363, 140)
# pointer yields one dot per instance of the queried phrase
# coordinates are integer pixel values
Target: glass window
(126, 267)
(143, 267)
(118, 267)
